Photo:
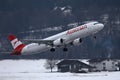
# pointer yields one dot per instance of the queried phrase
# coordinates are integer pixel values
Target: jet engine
(58, 42)
(76, 42)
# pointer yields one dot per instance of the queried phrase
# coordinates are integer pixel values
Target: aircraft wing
(40, 41)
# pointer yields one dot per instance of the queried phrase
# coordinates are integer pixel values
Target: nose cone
(101, 26)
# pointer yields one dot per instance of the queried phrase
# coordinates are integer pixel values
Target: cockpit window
(95, 23)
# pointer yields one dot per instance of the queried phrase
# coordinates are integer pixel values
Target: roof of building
(70, 62)
(99, 60)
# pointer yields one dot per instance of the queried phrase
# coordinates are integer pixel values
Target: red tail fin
(17, 45)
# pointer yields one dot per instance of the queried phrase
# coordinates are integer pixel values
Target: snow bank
(22, 66)
(35, 70)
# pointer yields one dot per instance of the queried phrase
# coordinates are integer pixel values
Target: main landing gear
(52, 49)
(64, 49)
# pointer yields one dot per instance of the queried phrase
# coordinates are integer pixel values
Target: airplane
(72, 36)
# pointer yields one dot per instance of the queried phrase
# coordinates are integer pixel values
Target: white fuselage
(69, 36)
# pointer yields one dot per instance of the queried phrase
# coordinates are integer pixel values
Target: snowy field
(35, 70)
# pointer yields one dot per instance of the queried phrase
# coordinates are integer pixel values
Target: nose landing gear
(65, 49)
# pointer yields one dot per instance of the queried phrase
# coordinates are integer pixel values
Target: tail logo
(17, 45)
(15, 42)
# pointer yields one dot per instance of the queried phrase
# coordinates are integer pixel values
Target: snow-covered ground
(35, 70)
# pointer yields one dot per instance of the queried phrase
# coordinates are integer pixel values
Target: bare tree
(50, 64)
